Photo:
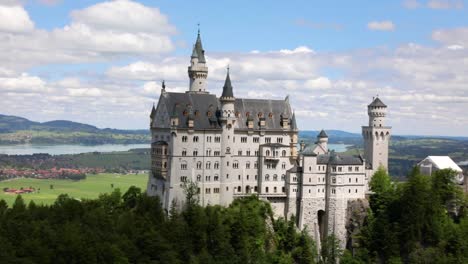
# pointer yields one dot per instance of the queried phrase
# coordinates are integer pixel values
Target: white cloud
(318, 83)
(445, 4)
(14, 19)
(411, 4)
(301, 49)
(22, 84)
(457, 36)
(381, 25)
(101, 32)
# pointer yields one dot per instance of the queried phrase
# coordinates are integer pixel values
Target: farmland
(48, 190)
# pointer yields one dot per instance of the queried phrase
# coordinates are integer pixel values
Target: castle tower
(227, 119)
(376, 136)
(322, 140)
(197, 71)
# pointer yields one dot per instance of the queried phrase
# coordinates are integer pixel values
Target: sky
(102, 62)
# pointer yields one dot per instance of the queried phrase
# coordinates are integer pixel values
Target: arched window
(275, 177)
(208, 165)
(199, 165)
(198, 177)
(283, 153)
(267, 152)
(267, 177)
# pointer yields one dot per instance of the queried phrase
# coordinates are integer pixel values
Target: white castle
(234, 147)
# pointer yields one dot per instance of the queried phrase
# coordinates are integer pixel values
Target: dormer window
(237, 114)
(270, 115)
(185, 113)
(260, 114)
(197, 113)
(247, 114)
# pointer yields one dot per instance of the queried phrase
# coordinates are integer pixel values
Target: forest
(423, 220)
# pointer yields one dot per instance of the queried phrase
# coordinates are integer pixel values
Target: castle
(235, 147)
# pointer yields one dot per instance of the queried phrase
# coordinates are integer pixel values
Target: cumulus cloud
(101, 32)
(15, 19)
(445, 4)
(381, 25)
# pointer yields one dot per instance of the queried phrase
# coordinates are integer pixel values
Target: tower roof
(322, 134)
(293, 121)
(198, 49)
(153, 112)
(378, 103)
(227, 88)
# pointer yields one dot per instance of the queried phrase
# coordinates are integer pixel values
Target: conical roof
(153, 112)
(377, 103)
(293, 122)
(227, 88)
(199, 49)
(322, 134)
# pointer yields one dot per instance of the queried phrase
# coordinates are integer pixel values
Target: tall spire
(227, 88)
(197, 71)
(199, 48)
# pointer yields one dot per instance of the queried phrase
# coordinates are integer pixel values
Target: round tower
(198, 71)
(376, 136)
(322, 140)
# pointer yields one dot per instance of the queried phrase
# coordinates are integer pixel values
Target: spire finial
(163, 84)
(198, 25)
(228, 69)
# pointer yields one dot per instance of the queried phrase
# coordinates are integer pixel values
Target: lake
(75, 149)
(66, 149)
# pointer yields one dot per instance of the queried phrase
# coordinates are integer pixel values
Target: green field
(89, 188)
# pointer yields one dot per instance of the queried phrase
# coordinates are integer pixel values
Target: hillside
(18, 130)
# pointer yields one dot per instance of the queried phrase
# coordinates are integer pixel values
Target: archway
(322, 224)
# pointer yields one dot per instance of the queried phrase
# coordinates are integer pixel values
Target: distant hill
(19, 130)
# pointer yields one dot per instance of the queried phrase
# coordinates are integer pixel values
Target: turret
(322, 140)
(197, 71)
(376, 111)
(227, 99)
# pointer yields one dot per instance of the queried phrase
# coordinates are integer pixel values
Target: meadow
(89, 188)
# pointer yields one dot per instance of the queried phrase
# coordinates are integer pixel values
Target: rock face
(356, 215)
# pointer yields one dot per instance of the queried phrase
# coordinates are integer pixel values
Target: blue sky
(101, 62)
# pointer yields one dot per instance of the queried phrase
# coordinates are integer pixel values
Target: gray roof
(199, 49)
(339, 159)
(377, 103)
(201, 104)
(293, 122)
(227, 88)
(322, 134)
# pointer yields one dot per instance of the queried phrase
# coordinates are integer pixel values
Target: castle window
(294, 179)
(356, 179)
(260, 114)
(197, 113)
(283, 190)
(349, 180)
(247, 177)
(208, 152)
(310, 168)
(243, 139)
(237, 114)
(217, 153)
(248, 152)
(283, 177)
(195, 153)
(207, 178)
(356, 168)
(184, 152)
(256, 140)
(256, 153)
(216, 190)
(349, 190)
(333, 180)
(217, 139)
(283, 153)
(216, 165)
(275, 177)
(184, 138)
(247, 165)
(255, 165)
(340, 169)
(267, 177)
(228, 150)
(310, 179)
(239, 152)
(185, 113)
(268, 140)
(283, 166)
(239, 189)
(208, 165)
(198, 190)
(256, 177)
(183, 179)
(274, 189)
(266, 189)
(195, 139)
(235, 164)
(183, 165)
(333, 191)
(355, 191)
(247, 114)
(350, 168)
(208, 139)
(267, 153)
(199, 165)
(207, 190)
(270, 115)
(198, 177)
(238, 177)
(334, 168)
(279, 140)
(256, 188)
